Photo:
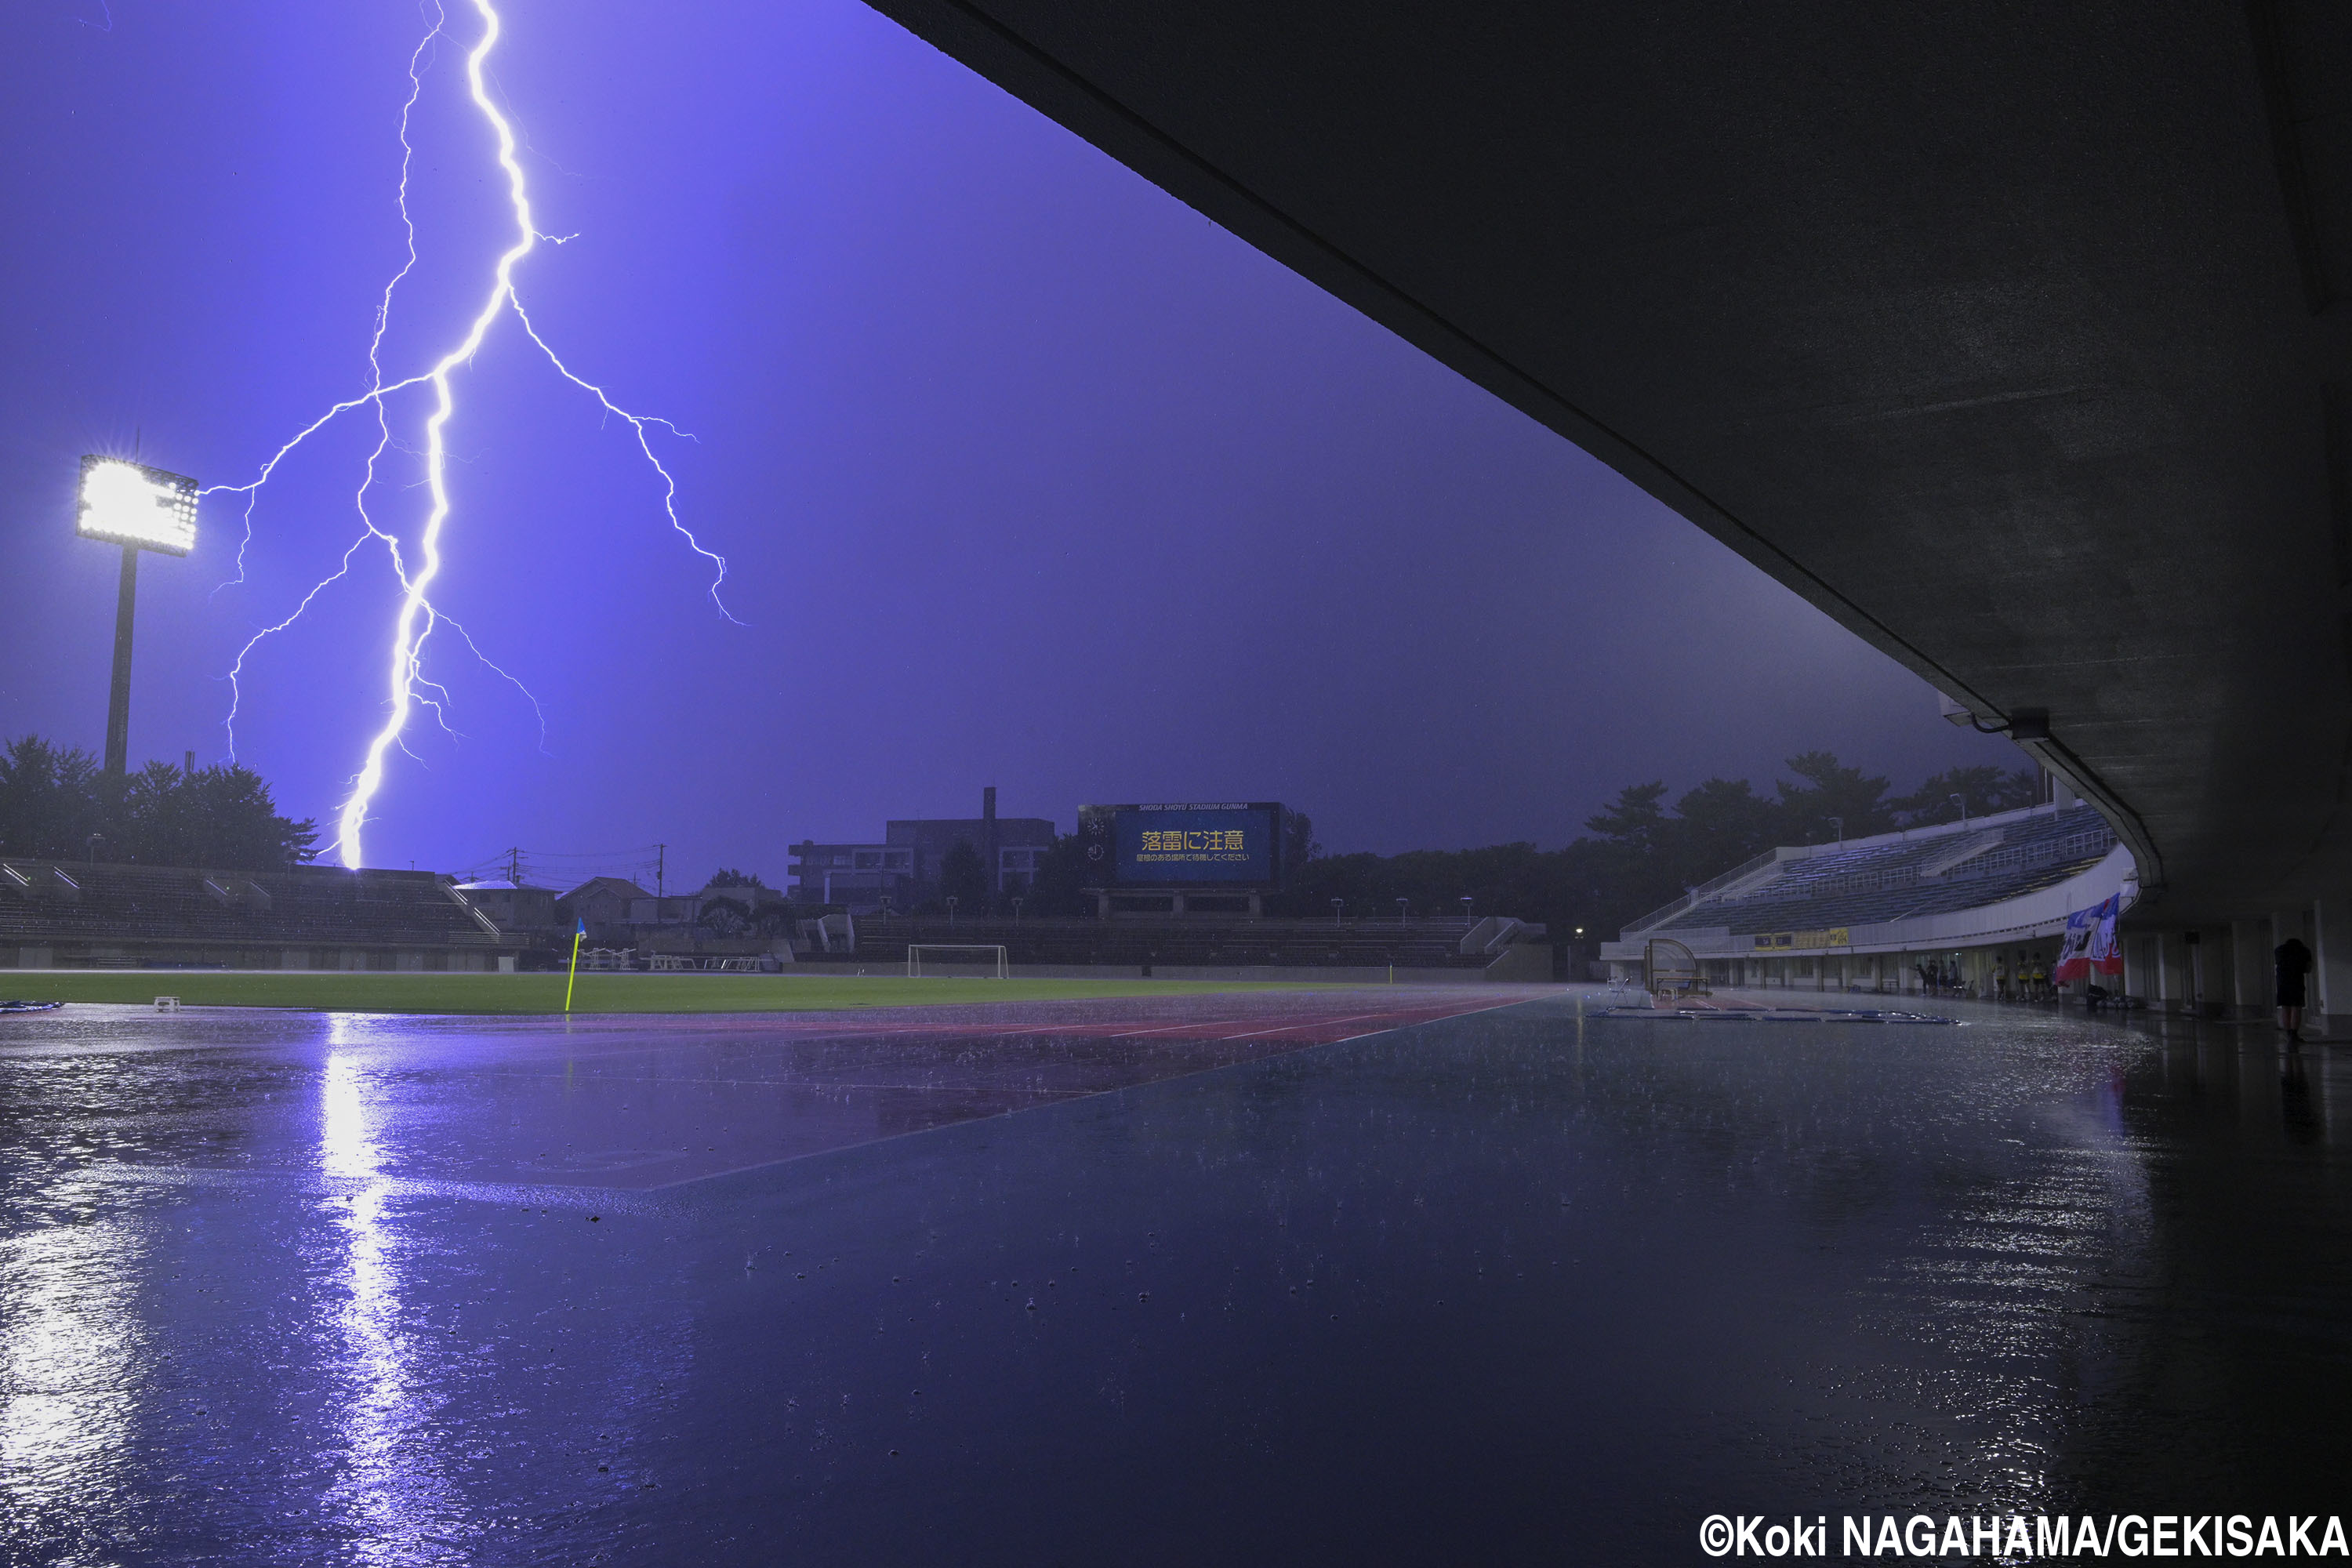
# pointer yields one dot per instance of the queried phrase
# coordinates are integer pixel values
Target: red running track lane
(646, 1102)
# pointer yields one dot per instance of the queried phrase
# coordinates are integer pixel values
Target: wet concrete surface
(1516, 1285)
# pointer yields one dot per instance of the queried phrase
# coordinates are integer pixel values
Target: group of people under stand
(2292, 960)
(2029, 984)
(1937, 978)
(1940, 978)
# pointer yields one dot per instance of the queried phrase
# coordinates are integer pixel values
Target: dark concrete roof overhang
(2013, 336)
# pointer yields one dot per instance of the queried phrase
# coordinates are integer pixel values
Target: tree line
(57, 803)
(1639, 852)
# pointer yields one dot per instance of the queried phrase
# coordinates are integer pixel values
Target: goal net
(957, 955)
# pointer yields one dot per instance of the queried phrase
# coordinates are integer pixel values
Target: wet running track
(1356, 1277)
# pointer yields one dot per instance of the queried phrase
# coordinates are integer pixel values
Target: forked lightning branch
(413, 550)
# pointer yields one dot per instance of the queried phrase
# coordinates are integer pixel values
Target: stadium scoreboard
(1191, 844)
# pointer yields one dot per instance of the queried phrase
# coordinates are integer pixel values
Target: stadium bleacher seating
(1899, 878)
(74, 915)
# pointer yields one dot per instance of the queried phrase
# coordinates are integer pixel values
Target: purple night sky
(1027, 474)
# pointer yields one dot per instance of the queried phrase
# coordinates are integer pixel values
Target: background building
(903, 871)
(513, 906)
(603, 904)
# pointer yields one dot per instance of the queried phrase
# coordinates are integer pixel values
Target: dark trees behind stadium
(1639, 853)
(56, 803)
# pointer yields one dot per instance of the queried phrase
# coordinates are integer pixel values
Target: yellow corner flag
(579, 932)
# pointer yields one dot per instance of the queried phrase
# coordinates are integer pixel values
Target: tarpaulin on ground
(2090, 942)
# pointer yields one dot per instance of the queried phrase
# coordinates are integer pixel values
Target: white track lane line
(1310, 1024)
(1439, 1018)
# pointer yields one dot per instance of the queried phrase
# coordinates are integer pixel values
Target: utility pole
(661, 866)
(991, 856)
(514, 867)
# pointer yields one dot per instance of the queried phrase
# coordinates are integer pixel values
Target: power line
(517, 863)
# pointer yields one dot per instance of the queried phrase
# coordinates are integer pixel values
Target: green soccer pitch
(347, 992)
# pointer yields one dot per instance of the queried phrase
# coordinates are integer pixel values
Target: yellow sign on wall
(1835, 936)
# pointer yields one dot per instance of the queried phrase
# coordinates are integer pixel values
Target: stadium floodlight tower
(138, 508)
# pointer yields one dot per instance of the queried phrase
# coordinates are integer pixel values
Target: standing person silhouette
(2293, 961)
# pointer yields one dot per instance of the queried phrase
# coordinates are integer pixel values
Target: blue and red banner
(2090, 942)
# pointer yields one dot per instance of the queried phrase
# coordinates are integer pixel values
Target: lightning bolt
(406, 686)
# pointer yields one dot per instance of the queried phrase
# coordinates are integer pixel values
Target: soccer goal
(915, 952)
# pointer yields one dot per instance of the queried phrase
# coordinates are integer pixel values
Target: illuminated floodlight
(137, 507)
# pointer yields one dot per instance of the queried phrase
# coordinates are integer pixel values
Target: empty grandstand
(1966, 905)
(56, 914)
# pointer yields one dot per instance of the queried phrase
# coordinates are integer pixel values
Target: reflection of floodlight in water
(138, 508)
